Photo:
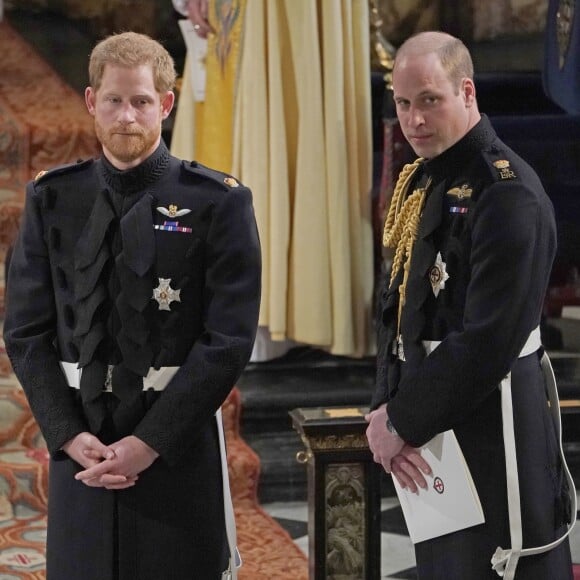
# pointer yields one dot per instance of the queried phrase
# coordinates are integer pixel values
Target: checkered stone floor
(397, 554)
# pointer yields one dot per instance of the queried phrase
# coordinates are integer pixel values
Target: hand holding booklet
(450, 502)
(197, 51)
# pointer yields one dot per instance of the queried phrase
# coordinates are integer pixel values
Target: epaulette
(62, 169)
(219, 177)
(499, 166)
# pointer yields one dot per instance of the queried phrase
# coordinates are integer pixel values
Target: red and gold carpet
(43, 121)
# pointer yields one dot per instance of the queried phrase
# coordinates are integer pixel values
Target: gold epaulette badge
(231, 182)
(504, 170)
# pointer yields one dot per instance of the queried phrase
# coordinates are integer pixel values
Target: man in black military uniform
(133, 298)
(474, 239)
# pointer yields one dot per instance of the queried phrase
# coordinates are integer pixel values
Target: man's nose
(127, 114)
(416, 117)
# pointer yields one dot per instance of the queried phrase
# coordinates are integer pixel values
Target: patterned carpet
(43, 122)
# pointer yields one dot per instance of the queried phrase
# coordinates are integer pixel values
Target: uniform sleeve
(513, 247)
(30, 332)
(218, 357)
(180, 6)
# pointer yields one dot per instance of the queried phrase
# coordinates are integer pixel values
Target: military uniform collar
(459, 154)
(130, 181)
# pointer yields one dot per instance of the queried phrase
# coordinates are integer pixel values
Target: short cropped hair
(453, 54)
(131, 49)
(456, 60)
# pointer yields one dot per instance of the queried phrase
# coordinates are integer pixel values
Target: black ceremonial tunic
(488, 216)
(94, 244)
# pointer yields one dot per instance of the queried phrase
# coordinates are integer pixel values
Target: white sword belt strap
(504, 562)
(158, 379)
(235, 559)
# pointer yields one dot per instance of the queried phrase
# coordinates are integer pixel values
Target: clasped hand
(397, 457)
(115, 466)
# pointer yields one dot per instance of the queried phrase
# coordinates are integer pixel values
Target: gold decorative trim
(564, 20)
(331, 442)
(341, 413)
(384, 50)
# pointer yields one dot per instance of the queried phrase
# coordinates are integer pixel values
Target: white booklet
(450, 502)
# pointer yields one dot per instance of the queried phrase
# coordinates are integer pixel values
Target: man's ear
(167, 102)
(90, 100)
(468, 88)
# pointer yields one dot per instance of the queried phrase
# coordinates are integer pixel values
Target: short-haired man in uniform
(133, 298)
(474, 238)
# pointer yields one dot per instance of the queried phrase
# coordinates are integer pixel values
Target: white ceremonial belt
(533, 343)
(156, 379)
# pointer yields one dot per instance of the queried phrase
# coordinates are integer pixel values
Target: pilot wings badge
(461, 192)
(172, 211)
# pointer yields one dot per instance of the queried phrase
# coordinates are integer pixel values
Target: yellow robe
(288, 111)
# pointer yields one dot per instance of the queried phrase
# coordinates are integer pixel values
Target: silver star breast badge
(165, 294)
(438, 275)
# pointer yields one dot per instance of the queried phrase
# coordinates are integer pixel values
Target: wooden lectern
(344, 509)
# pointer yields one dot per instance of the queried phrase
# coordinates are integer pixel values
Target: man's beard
(125, 147)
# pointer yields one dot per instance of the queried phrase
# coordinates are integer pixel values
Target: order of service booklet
(450, 502)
